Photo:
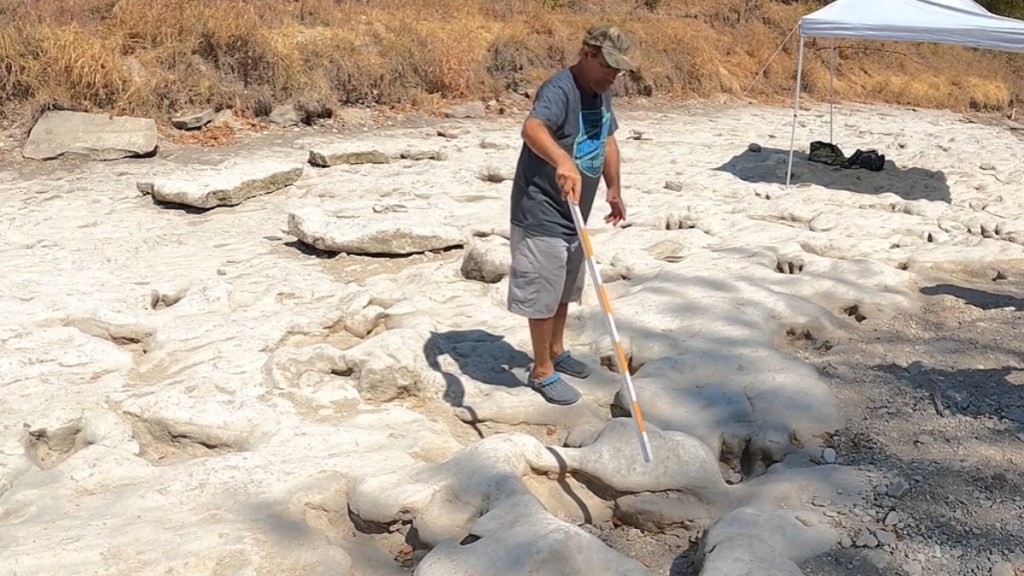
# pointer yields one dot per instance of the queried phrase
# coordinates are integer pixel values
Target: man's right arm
(538, 137)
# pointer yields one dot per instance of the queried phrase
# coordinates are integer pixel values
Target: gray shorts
(546, 271)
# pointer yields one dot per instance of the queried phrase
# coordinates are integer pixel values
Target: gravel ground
(934, 402)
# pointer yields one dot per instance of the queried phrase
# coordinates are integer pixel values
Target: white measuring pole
(613, 334)
(796, 108)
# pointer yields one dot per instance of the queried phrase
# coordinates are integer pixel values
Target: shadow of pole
(563, 471)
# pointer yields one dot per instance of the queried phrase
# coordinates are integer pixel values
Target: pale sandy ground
(182, 392)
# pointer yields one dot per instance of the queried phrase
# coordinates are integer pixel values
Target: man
(568, 145)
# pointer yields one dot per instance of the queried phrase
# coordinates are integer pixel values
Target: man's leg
(572, 291)
(536, 284)
(541, 334)
(558, 330)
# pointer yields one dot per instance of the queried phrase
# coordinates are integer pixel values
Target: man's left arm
(611, 163)
(611, 176)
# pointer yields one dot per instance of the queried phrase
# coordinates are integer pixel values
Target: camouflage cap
(613, 43)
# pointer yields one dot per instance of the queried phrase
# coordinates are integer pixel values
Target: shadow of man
(480, 355)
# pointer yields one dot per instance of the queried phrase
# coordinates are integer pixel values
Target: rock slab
(331, 157)
(91, 136)
(370, 236)
(226, 185)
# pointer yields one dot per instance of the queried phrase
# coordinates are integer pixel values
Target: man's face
(600, 74)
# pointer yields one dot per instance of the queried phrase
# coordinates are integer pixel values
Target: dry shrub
(508, 10)
(17, 60)
(71, 64)
(375, 68)
(159, 58)
(444, 57)
(679, 58)
(317, 12)
(143, 27)
(516, 54)
(911, 74)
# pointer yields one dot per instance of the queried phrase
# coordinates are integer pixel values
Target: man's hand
(568, 178)
(618, 207)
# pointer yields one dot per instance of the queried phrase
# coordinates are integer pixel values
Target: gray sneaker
(566, 364)
(555, 390)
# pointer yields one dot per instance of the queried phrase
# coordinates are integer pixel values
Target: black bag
(826, 153)
(867, 159)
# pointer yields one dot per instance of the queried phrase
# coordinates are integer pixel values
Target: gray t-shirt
(580, 122)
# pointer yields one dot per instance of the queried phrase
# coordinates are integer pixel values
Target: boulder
(752, 541)
(194, 121)
(495, 174)
(91, 136)
(487, 260)
(679, 462)
(285, 115)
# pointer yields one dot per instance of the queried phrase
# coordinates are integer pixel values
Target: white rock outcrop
(370, 235)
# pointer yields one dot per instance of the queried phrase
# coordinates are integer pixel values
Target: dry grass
(163, 58)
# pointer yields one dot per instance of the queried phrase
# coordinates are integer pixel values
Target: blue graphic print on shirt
(588, 148)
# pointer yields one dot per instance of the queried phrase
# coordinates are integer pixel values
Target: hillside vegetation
(142, 57)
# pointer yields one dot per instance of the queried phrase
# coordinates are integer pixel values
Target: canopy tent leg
(831, 99)
(796, 107)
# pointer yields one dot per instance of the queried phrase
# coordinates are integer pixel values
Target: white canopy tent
(962, 22)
